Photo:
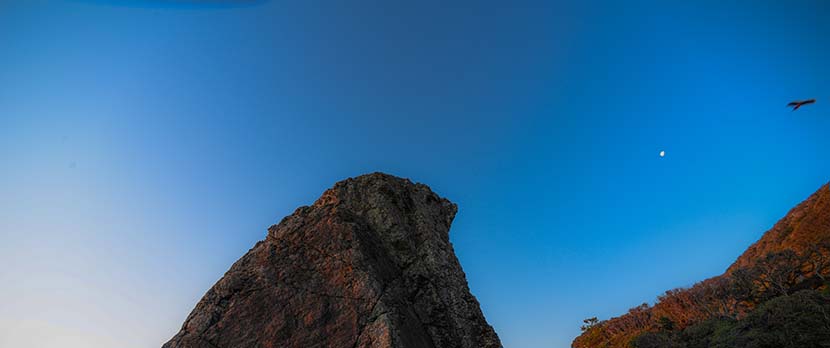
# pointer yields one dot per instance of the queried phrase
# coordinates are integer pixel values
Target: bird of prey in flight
(799, 103)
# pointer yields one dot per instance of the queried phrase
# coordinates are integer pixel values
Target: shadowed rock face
(369, 264)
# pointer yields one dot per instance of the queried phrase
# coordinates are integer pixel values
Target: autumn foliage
(793, 257)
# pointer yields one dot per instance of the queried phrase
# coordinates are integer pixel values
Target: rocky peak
(369, 264)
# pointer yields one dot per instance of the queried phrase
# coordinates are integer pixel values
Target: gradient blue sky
(146, 145)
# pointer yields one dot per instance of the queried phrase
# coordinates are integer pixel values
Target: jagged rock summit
(369, 264)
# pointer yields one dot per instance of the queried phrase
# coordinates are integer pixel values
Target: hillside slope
(803, 227)
(792, 256)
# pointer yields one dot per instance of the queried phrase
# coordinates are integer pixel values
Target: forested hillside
(775, 295)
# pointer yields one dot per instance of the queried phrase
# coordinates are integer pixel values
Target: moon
(662, 153)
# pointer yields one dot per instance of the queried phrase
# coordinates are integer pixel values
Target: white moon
(662, 153)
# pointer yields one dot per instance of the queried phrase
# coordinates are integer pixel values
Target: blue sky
(146, 145)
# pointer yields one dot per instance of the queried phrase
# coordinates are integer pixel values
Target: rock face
(369, 264)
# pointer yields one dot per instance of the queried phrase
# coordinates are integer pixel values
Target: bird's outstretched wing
(799, 103)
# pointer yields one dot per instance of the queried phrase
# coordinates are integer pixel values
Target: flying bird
(799, 103)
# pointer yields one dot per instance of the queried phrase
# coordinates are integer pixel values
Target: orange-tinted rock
(369, 264)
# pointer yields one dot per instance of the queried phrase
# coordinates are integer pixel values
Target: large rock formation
(369, 264)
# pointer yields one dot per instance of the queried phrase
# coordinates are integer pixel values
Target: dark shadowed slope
(369, 264)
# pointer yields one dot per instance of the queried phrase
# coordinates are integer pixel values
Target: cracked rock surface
(369, 264)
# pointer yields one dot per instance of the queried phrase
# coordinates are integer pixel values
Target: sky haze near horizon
(145, 146)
